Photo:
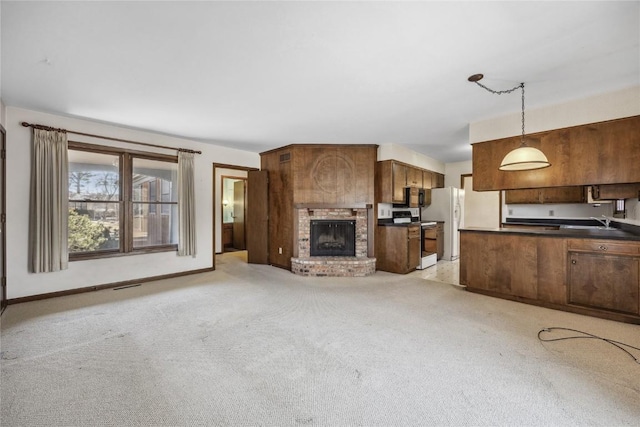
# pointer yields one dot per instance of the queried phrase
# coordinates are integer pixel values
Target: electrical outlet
(510, 212)
(280, 251)
(551, 212)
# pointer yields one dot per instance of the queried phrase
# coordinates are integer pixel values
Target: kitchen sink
(587, 227)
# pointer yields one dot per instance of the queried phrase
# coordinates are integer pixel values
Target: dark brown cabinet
(604, 275)
(398, 248)
(227, 235)
(392, 177)
(596, 277)
(428, 179)
(414, 177)
(439, 180)
(572, 194)
(596, 153)
(616, 191)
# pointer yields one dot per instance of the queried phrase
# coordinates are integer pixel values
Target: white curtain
(186, 205)
(49, 208)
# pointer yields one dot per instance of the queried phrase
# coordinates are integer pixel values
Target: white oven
(428, 257)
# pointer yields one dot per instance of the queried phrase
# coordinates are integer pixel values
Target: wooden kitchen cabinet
(414, 177)
(440, 240)
(439, 180)
(504, 264)
(392, 177)
(398, 248)
(596, 277)
(596, 153)
(572, 194)
(604, 275)
(616, 191)
(428, 179)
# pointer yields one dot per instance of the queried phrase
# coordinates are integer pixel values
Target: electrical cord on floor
(617, 344)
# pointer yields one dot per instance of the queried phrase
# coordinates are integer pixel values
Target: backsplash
(632, 207)
(385, 210)
(565, 210)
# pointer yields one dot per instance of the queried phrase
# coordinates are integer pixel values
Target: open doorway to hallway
(234, 193)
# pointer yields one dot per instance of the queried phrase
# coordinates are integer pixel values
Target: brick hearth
(306, 265)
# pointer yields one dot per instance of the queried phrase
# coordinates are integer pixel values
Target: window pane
(155, 224)
(94, 176)
(94, 226)
(154, 181)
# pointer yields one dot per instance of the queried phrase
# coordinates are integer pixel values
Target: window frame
(125, 203)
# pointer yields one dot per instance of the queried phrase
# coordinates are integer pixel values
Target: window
(120, 202)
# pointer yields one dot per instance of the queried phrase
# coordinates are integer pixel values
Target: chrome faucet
(606, 221)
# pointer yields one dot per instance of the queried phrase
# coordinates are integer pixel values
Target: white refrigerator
(447, 205)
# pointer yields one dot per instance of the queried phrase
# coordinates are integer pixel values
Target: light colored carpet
(256, 345)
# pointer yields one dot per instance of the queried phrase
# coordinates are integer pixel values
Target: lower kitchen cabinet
(604, 275)
(398, 248)
(590, 276)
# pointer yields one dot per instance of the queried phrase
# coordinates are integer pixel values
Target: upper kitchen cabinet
(616, 191)
(392, 177)
(598, 153)
(428, 179)
(439, 180)
(574, 194)
(414, 177)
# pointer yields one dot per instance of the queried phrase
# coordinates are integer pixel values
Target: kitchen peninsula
(593, 271)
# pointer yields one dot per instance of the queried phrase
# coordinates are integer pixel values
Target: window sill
(140, 251)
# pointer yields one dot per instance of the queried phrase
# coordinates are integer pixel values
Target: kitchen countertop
(592, 233)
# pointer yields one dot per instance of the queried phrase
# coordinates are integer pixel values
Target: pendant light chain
(501, 92)
(524, 157)
(522, 140)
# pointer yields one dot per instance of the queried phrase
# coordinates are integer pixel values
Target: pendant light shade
(524, 158)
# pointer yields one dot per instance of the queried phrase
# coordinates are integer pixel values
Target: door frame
(214, 197)
(3, 218)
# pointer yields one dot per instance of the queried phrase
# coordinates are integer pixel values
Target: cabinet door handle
(573, 261)
(602, 248)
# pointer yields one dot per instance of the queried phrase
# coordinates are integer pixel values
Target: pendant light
(523, 157)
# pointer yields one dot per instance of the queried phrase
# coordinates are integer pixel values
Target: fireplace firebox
(332, 238)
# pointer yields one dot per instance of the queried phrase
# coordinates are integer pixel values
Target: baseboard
(105, 286)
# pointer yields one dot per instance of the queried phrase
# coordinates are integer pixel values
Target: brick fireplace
(347, 266)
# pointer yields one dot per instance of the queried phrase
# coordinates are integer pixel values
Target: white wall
(453, 172)
(564, 210)
(608, 106)
(402, 154)
(3, 114)
(21, 283)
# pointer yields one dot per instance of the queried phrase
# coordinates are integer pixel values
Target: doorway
(234, 209)
(3, 220)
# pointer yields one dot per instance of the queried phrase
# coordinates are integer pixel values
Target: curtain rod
(43, 127)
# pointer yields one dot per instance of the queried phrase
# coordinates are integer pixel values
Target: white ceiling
(259, 75)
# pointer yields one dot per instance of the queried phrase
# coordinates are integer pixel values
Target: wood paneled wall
(334, 174)
(314, 174)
